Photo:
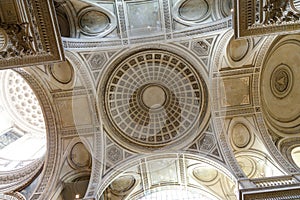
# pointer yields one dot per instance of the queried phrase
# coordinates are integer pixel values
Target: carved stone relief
(96, 21)
(281, 81)
(201, 47)
(235, 91)
(122, 185)
(191, 12)
(24, 42)
(264, 17)
(240, 135)
(114, 154)
(17, 41)
(79, 156)
(276, 12)
(97, 61)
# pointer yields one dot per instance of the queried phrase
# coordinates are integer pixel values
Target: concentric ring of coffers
(153, 99)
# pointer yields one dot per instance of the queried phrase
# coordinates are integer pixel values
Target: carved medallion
(96, 21)
(191, 11)
(122, 185)
(79, 156)
(205, 174)
(237, 49)
(62, 72)
(281, 81)
(248, 165)
(240, 135)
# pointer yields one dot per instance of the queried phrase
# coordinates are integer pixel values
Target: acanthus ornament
(19, 41)
(276, 11)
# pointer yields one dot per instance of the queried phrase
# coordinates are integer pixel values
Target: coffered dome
(153, 99)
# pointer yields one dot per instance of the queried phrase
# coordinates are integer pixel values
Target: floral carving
(19, 40)
(276, 12)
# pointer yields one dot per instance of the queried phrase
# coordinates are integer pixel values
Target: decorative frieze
(28, 33)
(260, 17)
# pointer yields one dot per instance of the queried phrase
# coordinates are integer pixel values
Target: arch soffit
(135, 161)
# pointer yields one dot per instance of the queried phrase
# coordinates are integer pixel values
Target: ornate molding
(12, 180)
(262, 17)
(204, 29)
(30, 33)
(18, 42)
(48, 174)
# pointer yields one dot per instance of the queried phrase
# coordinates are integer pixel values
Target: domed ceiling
(154, 99)
(157, 96)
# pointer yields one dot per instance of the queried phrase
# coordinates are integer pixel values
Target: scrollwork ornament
(19, 41)
(276, 11)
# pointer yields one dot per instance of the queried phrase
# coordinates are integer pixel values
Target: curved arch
(219, 122)
(286, 146)
(96, 146)
(48, 172)
(137, 160)
(262, 57)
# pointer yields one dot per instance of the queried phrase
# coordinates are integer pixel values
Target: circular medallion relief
(240, 135)
(205, 174)
(79, 155)
(226, 7)
(62, 72)
(281, 81)
(248, 165)
(122, 184)
(94, 22)
(194, 10)
(152, 99)
(237, 49)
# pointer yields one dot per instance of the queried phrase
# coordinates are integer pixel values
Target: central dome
(152, 99)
